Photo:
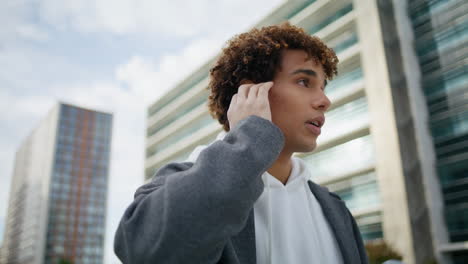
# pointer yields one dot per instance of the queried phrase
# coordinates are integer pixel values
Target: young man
(245, 198)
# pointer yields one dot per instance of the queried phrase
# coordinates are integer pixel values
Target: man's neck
(282, 167)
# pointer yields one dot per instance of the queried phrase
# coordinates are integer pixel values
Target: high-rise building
(57, 204)
(394, 145)
(440, 45)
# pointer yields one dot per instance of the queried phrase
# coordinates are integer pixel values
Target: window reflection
(327, 21)
(370, 226)
(344, 81)
(360, 192)
(181, 134)
(345, 118)
(350, 156)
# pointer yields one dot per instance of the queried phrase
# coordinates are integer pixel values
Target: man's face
(297, 98)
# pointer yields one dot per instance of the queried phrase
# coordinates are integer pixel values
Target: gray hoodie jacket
(202, 212)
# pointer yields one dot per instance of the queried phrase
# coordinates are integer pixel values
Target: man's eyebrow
(308, 72)
(305, 71)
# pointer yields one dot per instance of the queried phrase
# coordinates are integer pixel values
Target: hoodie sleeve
(188, 211)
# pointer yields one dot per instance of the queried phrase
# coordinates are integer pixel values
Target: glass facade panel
(352, 155)
(81, 158)
(457, 222)
(370, 226)
(454, 182)
(345, 118)
(459, 257)
(180, 158)
(190, 85)
(344, 81)
(181, 134)
(327, 21)
(443, 84)
(171, 120)
(360, 192)
(299, 8)
(441, 37)
(455, 125)
(344, 41)
(371, 232)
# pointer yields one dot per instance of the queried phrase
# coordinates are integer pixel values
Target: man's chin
(307, 148)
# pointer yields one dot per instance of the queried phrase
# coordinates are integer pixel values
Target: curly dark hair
(256, 56)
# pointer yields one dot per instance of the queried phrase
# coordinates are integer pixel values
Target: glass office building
(441, 44)
(393, 146)
(57, 206)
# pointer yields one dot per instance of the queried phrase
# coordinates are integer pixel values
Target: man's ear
(245, 81)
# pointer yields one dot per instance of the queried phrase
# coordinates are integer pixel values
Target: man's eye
(303, 82)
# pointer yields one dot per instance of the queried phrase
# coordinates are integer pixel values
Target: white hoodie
(290, 226)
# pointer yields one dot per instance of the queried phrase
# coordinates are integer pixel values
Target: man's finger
(234, 99)
(264, 89)
(253, 92)
(243, 91)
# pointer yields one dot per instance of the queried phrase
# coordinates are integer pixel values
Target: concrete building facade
(394, 143)
(57, 204)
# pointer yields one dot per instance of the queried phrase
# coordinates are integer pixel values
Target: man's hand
(250, 99)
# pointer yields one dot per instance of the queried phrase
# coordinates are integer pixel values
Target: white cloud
(140, 77)
(15, 22)
(30, 107)
(31, 32)
(176, 18)
(150, 81)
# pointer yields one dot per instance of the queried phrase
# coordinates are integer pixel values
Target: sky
(117, 56)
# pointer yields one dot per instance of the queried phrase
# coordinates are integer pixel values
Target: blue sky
(111, 55)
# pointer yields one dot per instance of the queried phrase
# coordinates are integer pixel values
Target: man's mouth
(315, 123)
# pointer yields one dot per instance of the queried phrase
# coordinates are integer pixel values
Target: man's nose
(322, 102)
